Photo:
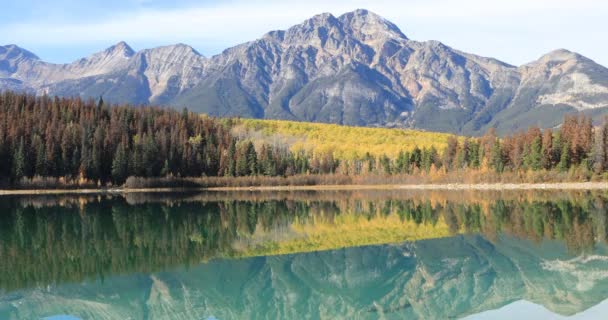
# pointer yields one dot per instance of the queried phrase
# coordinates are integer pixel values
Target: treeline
(89, 143)
(576, 145)
(54, 142)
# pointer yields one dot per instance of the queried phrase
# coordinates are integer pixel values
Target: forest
(58, 142)
(91, 144)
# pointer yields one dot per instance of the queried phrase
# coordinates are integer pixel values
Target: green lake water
(305, 255)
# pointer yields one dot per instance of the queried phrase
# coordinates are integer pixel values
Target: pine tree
(19, 161)
(533, 157)
(4, 154)
(166, 170)
(497, 159)
(251, 158)
(402, 163)
(232, 159)
(40, 166)
(150, 157)
(75, 161)
(558, 145)
(564, 160)
(268, 164)
(100, 103)
(120, 165)
(547, 149)
(416, 157)
(462, 154)
(599, 150)
(449, 154)
(242, 165)
(136, 165)
(473, 155)
(427, 160)
(385, 162)
(371, 162)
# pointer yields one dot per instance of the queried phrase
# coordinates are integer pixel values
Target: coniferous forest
(89, 143)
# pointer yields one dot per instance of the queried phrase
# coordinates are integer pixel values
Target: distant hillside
(346, 142)
(354, 69)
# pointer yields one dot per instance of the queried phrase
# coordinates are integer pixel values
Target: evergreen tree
(558, 145)
(166, 170)
(600, 156)
(547, 149)
(426, 160)
(75, 161)
(564, 160)
(4, 154)
(462, 155)
(100, 103)
(231, 159)
(40, 167)
(251, 158)
(497, 159)
(403, 162)
(19, 161)
(371, 162)
(449, 154)
(120, 165)
(473, 155)
(385, 162)
(268, 164)
(416, 157)
(533, 157)
(150, 157)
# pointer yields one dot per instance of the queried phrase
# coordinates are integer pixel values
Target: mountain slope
(560, 81)
(430, 279)
(354, 69)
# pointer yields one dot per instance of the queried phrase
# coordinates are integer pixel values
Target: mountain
(355, 69)
(431, 279)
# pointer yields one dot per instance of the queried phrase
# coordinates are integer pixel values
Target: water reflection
(167, 256)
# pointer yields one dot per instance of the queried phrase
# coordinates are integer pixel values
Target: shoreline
(440, 187)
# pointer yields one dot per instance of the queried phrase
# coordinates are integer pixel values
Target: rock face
(355, 69)
(431, 279)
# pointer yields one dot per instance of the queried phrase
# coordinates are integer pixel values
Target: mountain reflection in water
(284, 256)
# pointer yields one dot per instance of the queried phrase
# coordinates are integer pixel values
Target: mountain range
(354, 69)
(445, 278)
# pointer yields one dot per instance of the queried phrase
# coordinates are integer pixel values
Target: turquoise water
(188, 257)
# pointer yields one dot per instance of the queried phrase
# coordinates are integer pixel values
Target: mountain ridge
(355, 69)
(428, 279)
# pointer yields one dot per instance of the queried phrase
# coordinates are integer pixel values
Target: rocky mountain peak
(12, 52)
(12, 58)
(121, 48)
(325, 18)
(368, 25)
(560, 55)
(172, 56)
(110, 59)
(315, 31)
(557, 62)
(177, 49)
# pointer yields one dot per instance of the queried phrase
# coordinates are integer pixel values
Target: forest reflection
(56, 239)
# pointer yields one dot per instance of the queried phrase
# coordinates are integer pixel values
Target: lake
(305, 255)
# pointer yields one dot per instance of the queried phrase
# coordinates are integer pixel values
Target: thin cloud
(232, 22)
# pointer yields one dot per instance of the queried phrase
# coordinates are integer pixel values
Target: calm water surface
(305, 255)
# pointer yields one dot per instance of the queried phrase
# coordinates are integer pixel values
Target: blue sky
(516, 31)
